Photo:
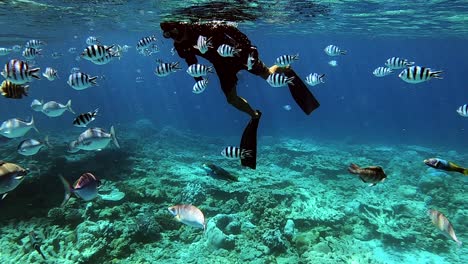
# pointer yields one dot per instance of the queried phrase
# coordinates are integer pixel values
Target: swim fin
(301, 94)
(249, 142)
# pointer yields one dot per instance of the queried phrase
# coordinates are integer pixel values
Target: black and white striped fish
(106, 59)
(232, 152)
(396, 63)
(14, 91)
(31, 53)
(463, 110)
(418, 74)
(84, 119)
(18, 72)
(225, 50)
(200, 86)
(332, 50)
(203, 44)
(164, 69)
(314, 79)
(91, 40)
(199, 70)
(34, 43)
(81, 81)
(286, 60)
(382, 71)
(95, 52)
(5, 51)
(50, 74)
(146, 42)
(279, 80)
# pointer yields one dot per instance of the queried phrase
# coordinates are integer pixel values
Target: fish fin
(33, 125)
(69, 106)
(46, 141)
(92, 80)
(210, 69)
(353, 168)
(68, 190)
(290, 80)
(4, 195)
(321, 78)
(26, 90)
(114, 138)
(436, 74)
(237, 52)
(343, 52)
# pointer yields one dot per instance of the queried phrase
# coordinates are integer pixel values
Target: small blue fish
(86, 187)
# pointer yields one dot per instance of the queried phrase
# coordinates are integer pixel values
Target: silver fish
(29, 147)
(36, 105)
(11, 175)
(96, 139)
(13, 128)
(54, 109)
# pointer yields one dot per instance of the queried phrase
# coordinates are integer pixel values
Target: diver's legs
(240, 103)
(249, 142)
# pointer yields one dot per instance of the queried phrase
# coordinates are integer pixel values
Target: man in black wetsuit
(185, 36)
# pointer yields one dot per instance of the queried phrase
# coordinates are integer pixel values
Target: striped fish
(396, 63)
(106, 59)
(81, 81)
(146, 42)
(34, 43)
(18, 72)
(50, 74)
(200, 86)
(314, 79)
(232, 152)
(164, 69)
(443, 224)
(199, 70)
(95, 52)
(91, 40)
(463, 110)
(332, 50)
(228, 51)
(286, 60)
(5, 51)
(203, 44)
(31, 53)
(13, 91)
(279, 80)
(84, 119)
(382, 71)
(418, 74)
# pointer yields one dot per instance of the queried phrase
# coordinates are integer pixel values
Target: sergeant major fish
(164, 69)
(11, 175)
(95, 52)
(34, 43)
(29, 147)
(13, 128)
(54, 109)
(81, 81)
(315, 79)
(203, 44)
(332, 50)
(199, 70)
(418, 74)
(382, 72)
(84, 119)
(14, 91)
(286, 60)
(200, 86)
(96, 139)
(445, 165)
(86, 187)
(31, 53)
(395, 63)
(372, 174)
(463, 110)
(18, 72)
(225, 50)
(50, 74)
(232, 152)
(279, 80)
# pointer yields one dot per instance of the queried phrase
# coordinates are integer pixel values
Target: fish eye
(172, 210)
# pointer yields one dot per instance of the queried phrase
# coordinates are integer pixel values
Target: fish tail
(92, 80)
(321, 78)
(296, 56)
(34, 73)
(33, 125)
(290, 80)
(436, 74)
(114, 138)
(95, 112)
(353, 168)
(237, 52)
(210, 69)
(69, 106)
(343, 52)
(26, 90)
(68, 190)
(176, 65)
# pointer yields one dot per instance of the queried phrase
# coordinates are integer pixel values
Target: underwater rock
(115, 196)
(221, 231)
(274, 241)
(147, 229)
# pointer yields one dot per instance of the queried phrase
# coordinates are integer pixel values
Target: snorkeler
(186, 40)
